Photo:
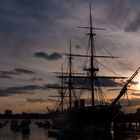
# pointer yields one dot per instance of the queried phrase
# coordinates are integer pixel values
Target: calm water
(37, 133)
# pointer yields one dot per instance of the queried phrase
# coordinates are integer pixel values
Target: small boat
(14, 125)
(45, 125)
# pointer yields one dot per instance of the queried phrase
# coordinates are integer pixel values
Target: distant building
(8, 112)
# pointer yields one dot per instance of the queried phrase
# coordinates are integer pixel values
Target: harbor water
(36, 132)
(91, 133)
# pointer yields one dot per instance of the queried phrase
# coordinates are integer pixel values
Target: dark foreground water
(92, 133)
(36, 133)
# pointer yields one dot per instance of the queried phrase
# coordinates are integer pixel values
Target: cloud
(53, 56)
(134, 25)
(6, 74)
(52, 99)
(136, 94)
(35, 79)
(36, 100)
(134, 82)
(52, 85)
(85, 83)
(29, 87)
(107, 83)
(132, 102)
(21, 90)
(10, 91)
(77, 46)
(16, 71)
(82, 82)
(23, 71)
(24, 23)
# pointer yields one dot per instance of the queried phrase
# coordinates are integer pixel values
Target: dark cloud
(132, 102)
(17, 13)
(22, 25)
(136, 94)
(85, 83)
(107, 83)
(8, 72)
(29, 87)
(10, 91)
(21, 90)
(23, 71)
(52, 99)
(37, 100)
(54, 85)
(35, 79)
(27, 21)
(134, 25)
(82, 82)
(134, 82)
(53, 56)
(5, 76)
(16, 71)
(28, 18)
(77, 47)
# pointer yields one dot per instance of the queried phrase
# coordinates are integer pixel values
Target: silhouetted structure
(8, 112)
(81, 114)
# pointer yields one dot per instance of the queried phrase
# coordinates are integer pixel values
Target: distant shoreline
(25, 116)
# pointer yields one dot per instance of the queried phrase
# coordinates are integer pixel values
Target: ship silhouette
(96, 112)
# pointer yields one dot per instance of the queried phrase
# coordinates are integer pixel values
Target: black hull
(99, 115)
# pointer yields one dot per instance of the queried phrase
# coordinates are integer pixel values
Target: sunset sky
(35, 33)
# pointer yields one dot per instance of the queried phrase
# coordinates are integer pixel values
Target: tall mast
(92, 70)
(62, 92)
(70, 75)
(93, 64)
(91, 59)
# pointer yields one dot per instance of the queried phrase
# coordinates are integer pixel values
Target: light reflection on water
(36, 133)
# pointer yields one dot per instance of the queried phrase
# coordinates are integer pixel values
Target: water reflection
(70, 133)
(86, 133)
(97, 133)
(25, 137)
(36, 133)
(126, 135)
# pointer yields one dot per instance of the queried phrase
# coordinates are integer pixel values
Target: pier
(129, 121)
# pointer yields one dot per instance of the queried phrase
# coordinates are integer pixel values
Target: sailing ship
(78, 113)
